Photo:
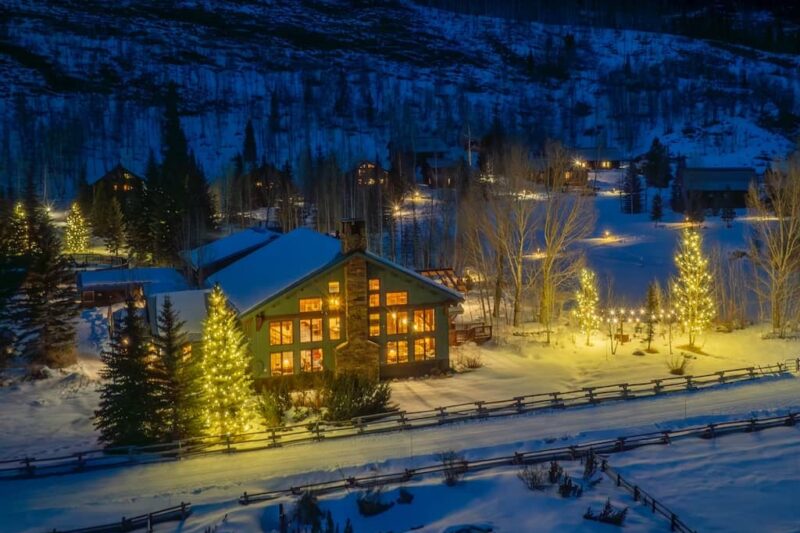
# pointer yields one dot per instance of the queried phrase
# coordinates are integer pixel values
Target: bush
(307, 511)
(348, 396)
(272, 404)
(609, 514)
(405, 497)
(371, 503)
(678, 364)
(589, 466)
(454, 467)
(567, 488)
(534, 478)
(555, 472)
(470, 362)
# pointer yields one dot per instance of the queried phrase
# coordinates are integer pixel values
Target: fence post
(590, 393)
(657, 386)
(752, 372)
(480, 409)
(624, 387)
(518, 403)
(441, 414)
(183, 510)
(619, 480)
(282, 519)
(228, 442)
(636, 493)
(273, 437)
(673, 522)
(29, 468)
(689, 384)
(721, 375)
(556, 400)
(150, 523)
(654, 505)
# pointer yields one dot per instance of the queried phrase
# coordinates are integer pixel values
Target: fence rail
(601, 447)
(380, 423)
(177, 512)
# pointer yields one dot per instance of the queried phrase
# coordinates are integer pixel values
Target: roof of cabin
(117, 172)
(718, 178)
(221, 249)
(289, 261)
(596, 153)
(192, 307)
(154, 279)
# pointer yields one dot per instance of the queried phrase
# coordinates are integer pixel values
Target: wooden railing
(149, 520)
(380, 423)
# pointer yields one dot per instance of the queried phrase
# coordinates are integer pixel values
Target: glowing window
(333, 287)
(374, 300)
(424, 320)
(334, 303)
(335, 328)
(311, 360)
(310, 305)
(375, 284)
(396, 298)
(311, 330)
(397, 323)
(424, 348)
(281, 363)
(374, 324)
(281, 332)
(396, 352)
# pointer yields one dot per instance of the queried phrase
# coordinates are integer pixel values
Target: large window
(310, 305)
(396, 352)
(424, 320)
(281, 363)
(424, 348)
(311, 330)
(397, 298)
(311, 360)
(374, 324)
(280, 332)
(375, 300)
(335, 328)
(397, 323)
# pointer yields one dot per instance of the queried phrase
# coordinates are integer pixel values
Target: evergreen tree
(227, 383)
(20, 232)
(114, 233)
(652, 308)
(48, 308)
(728, 212)
(249, 154)
(274, 113)
(76, 234)
(128, 410)
(101, 207)
(84, 192)
(676, 201)
(586, 311)
(657, 209)
(692, 288)
(656, 166)
(178, 375)
(633, 191)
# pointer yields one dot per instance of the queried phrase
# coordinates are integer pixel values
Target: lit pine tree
(20, 232)
(76, 235)
(692, 288)
(587, 299)
(228, 386)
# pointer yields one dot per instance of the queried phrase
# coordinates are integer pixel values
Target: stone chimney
(357, 354)
(353, 235)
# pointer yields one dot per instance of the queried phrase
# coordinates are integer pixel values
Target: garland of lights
(19, 221)
(692, 288)
(586, 296)
(76, 235)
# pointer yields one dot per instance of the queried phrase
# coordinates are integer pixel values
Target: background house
(115, 285)
(598, 158)
(716, 187)
(209, 258)
(119, 182)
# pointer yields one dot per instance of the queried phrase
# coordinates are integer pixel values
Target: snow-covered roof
(237, 243)
(263, 274)
(190, 305)
(287, 261)
(154, 279)
(718, 179)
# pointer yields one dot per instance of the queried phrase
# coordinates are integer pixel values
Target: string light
(586, 296)
(76, 235)
(695, 307)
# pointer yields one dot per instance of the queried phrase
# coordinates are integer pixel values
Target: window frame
(309, 324)
(310, 353)
(317, 305)
(281, 324)
(397, 345)
(396, 295)
(282, 359)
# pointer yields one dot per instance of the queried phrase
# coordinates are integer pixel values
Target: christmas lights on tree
(20, 232)
(227, 384)
(692, 288)
(76, 236)
(586, 312)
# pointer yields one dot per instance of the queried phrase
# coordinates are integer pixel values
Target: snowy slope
(82, 82)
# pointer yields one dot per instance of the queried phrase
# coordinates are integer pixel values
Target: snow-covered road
(86, 499)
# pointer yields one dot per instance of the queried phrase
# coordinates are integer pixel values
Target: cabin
(192, 308)
(207, 259)
(310, 302)
(368, 173)
(114, 285)
(440, 173)
(119, 181)
(716, 187)
(598, 158)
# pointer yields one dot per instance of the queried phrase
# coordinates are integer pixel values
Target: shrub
(307, 511)
(371, 503)
(678, 364)
(272, 404)
(567, 488)
(609, 514)
(470, 362)
(349, 395)
(589, 466)
(405, 497)
(534, 478)
(454, 467)
(555, 472)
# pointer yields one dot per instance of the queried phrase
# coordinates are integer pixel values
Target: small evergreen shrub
(307, 511)
(609, 514)
(554, 473)
(371, 503)
(454, 467)
(534, 478)
(272, 405)
(567, 488)
(348, 396)
(589, 466)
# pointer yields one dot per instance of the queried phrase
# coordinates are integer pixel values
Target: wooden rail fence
(98, 458)
(149, 520)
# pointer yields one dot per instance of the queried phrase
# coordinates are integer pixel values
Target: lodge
(716, 187)
(119, 181)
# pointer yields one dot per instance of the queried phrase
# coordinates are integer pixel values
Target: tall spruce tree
(129, 402)
(692, 289)
(114, 233)
(178, 375)
(632, 188)
(249, 153)
(228, 386)
(652, 308)
(76, 234)
(657, 209)
(656, 166)
(48, 304)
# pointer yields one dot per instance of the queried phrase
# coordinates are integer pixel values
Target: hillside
(83, 83)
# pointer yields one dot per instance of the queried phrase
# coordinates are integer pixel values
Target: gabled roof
(154, 279)
(291, 260)
(718, 178)
(118, 172)
(192, 308)
(263, 274)
(241, 242)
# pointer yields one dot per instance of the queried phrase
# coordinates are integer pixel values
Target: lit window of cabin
(335, 328)
(374, 324)
(396, 352)
(397, 298)
(424, 320)
(281, 363)
(311, 330)
(281, 332)
(374, 284)
(310, 305)
(424, 348)
(333, 287)
(397, 323)
(375, 300)
(311, 360)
